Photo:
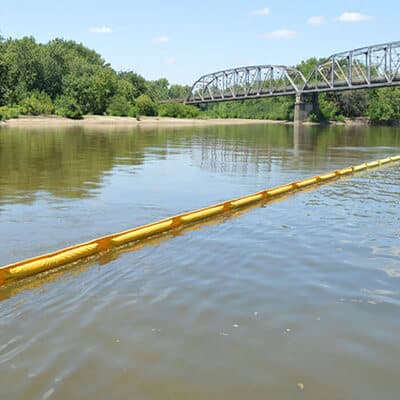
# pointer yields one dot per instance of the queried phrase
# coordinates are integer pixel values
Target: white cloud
(281, 34)
(263, 11)
(316, 20)
(354, 17)
(161, 39)
(100, 29)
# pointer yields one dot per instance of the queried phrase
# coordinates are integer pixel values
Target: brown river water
(298, 299)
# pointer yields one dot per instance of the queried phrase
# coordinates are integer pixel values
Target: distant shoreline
(109, 121)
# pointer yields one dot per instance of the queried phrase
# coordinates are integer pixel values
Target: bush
(134, 113)
(340, 118)
(119, 106)
(384, 105)
(178, 110)
(68, 107)
(328, 108)
(37, 103)
(146, 106)
(279, 108)
(313, 118)
(7, 112)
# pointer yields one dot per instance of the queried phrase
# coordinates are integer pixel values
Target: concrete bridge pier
(304, 106)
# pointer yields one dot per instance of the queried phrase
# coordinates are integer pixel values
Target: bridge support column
(304, 106)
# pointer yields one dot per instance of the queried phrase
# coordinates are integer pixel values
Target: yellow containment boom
(80, 252)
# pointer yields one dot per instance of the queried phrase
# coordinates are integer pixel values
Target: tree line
(65, 78)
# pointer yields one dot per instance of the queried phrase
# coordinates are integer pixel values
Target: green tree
(146, 105)
(126, 89)
(104, 88)
(37, 103)
(92, 89)
(306, 67)
(277, 108)
(179, 91)
(158, 90)
(178, 110)
(137, 81)
(7, 112)
(384, 105)
(21, 60)
(120, 106)
(68, 107)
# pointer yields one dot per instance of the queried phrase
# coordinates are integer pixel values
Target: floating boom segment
(100, 246)
(368, 67)
(247, 82)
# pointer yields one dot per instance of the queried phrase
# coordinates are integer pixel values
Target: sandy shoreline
(98, 121)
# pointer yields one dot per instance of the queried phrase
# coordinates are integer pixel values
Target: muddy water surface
(296, 299)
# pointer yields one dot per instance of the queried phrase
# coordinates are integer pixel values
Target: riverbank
(110, 121)
(99, 120)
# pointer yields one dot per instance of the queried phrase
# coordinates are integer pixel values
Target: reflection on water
(73, 162)
(299, 298)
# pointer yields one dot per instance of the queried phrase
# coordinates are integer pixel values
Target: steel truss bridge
(369, 67)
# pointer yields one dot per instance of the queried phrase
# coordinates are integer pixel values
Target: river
(295, 299)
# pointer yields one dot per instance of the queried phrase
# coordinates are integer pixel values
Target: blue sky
(181, 40)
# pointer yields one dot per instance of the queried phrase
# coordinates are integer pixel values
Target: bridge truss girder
(368, 67)
(247, 82)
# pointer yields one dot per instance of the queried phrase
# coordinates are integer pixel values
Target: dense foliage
(178, 110)
(276, 108)
(65, 78)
